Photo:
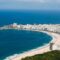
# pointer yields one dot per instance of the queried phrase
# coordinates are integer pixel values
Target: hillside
(53, 55)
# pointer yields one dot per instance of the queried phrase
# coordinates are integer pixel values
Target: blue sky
(29, 4)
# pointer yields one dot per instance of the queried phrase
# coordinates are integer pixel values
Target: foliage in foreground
(53, 55)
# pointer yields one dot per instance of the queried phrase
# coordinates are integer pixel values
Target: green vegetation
(53, 55)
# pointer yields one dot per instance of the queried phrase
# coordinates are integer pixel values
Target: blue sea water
(30, 17)
(15, 41)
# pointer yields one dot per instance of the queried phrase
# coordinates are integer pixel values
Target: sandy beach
(39, 50)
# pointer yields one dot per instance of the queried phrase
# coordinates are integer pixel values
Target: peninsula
(41, 27)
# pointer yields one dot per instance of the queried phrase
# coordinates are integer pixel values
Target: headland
(35, 27)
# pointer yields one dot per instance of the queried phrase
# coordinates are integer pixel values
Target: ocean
(18, 41)
(29, 17)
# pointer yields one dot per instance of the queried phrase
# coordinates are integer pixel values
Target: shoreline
(39, 50)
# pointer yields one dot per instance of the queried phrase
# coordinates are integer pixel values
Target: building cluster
(40, 27)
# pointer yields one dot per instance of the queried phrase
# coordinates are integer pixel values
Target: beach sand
(39, 50)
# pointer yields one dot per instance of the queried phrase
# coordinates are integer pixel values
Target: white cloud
(41, 1)
(29, 4)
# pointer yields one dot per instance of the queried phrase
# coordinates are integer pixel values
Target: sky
(30, 4)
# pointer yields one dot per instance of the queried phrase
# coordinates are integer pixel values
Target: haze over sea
(14, 41)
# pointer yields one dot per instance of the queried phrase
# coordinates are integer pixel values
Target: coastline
(39, 50)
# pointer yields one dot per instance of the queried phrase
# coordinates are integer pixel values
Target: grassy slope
(53, 55)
